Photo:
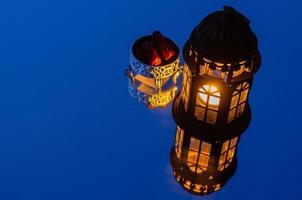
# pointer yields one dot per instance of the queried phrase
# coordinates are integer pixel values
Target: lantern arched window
(227, 153)
(186, 82)
(198, 155)
(178, 141)
(238, 101)
(207, 103)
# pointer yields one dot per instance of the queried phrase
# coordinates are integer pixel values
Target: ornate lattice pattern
(162, 98)
(157, 72)
(158, 99)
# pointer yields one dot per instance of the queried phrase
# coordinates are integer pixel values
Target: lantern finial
(229, 13)
(228, 9)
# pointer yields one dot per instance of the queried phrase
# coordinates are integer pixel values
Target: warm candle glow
(212, 90)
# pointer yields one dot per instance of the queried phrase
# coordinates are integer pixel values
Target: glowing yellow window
(178, 141)
(238, 101)
(227, 153)
(198, 155)
(207, 103)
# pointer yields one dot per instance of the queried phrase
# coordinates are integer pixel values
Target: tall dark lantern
(212, 109)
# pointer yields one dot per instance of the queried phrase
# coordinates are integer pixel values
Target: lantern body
(212, 109)
(221, 57)
(215, 93)
(154, 86)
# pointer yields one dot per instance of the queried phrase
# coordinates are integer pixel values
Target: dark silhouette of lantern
(212, 110)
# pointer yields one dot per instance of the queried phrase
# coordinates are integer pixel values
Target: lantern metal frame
(212, 177)
(217, 79)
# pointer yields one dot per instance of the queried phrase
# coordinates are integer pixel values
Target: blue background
(69, 129)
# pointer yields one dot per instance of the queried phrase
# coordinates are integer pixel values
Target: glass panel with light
(198, 155)
(238, 101)
(207, 103)
(227, 153)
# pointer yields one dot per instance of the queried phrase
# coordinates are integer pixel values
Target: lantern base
(204, 183)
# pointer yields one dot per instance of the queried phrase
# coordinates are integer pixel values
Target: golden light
(212, 110)
(212, 90)
(154, 85)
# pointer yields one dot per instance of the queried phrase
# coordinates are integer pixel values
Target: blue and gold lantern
(153, 85)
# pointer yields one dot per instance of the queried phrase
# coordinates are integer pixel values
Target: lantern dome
(223, 36)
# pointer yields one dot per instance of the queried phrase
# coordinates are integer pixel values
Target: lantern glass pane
(145, 89)
(226, 165)
(214, 90)
(205, 88)
(243, 96)
(213, 102)
(222, 158)
(211, 116)
(240, 109)
(233, 142)
(192, 157)
(203, 160)
(192, 167)
(234, 101)
(194, 144)
(199, 170)
(205, 148)
(198, 161)
(202, 101)
(231, 115)
(178, 141)
(207, 103)
(227, 153)
(200, 112)
(225, 146)
(221, 167)
(245, 85)
(239, 98)
(231, 154)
